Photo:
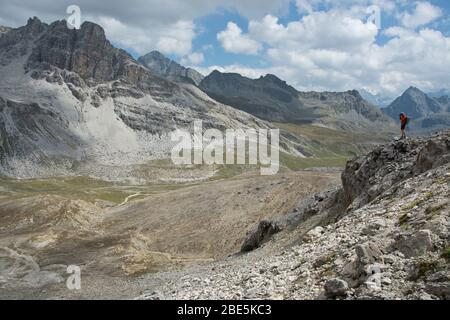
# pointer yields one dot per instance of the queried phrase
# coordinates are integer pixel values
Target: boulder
(336, 288)
(416, 244)
(434, 154)
(368, 253)
(262, 234)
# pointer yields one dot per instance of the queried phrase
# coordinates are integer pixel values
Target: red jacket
(404, 119)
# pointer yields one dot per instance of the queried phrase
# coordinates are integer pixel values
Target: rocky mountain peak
(169, 69)
(415, 93)
(93, 32)
(155, 55)
(34, 27)
(272, 99)
(85, 52)
(355, 93)
(415, 103)
(272, 78)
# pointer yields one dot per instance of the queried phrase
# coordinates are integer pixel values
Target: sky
(382, 46)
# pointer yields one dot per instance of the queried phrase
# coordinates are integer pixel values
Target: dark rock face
(272, 99)
(433, 155)
(85, 54)
(16, 42)
(262, 234)
(441, 290)
(336, 288)
(169, 69)
(268, 98)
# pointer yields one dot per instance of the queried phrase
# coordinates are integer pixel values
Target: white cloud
(329, 50)
(325, 30)
(142, 25)
(177, 38)
(173, 39)
(423, 14)
(234, 41)
(193, 59)
(304, 6)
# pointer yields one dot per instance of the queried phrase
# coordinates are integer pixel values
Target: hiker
(404, 122)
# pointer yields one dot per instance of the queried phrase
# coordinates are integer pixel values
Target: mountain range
(69, 99)
(378, 100)
(426, 113)
(272, 99)
(440, 93)
(81, 122)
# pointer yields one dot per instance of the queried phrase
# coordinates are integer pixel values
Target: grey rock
(262, 234)
(416, 244)
(441, 289)
(434, 154)
(336, 288)
(374, 227)
(368, 253)
(441, 276)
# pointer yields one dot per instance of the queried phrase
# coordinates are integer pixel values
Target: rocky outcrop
(365, 178)
(256, 238)
(17, 42)
(336, 288)
(87, 53)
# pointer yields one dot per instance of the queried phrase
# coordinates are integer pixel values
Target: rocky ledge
(383, 235)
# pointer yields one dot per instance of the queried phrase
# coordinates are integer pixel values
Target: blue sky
(216, 56)
(312, 44)
(210, 25)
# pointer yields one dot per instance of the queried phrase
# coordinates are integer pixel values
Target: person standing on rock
(404, 122)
